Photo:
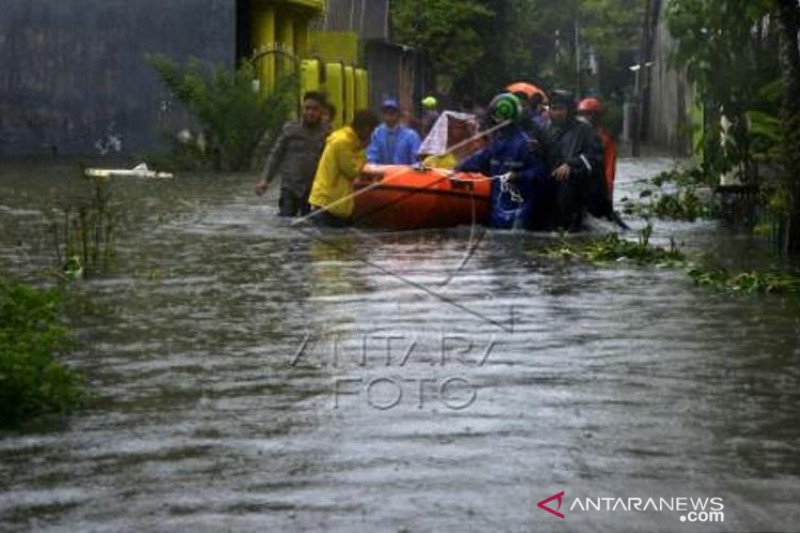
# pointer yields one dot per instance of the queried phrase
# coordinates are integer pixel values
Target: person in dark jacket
(532, 123)
(517, 201)
(576, 160)
(294, 156)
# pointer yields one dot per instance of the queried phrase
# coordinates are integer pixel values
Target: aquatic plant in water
(761, 282)
(612, 247)
(82, 232)
(683, 204)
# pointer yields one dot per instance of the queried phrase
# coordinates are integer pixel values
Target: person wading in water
(294, 157)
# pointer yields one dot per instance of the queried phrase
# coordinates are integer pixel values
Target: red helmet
(590, 105)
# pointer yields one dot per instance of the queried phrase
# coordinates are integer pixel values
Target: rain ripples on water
(249, 376)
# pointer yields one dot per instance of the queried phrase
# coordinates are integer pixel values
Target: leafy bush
(32, 381)
(233, 116)
(683, 204)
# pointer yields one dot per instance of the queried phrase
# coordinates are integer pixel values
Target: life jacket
(609, 160)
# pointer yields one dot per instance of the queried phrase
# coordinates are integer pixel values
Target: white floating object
(139, 171)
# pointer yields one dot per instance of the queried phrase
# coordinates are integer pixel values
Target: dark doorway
(244, 48)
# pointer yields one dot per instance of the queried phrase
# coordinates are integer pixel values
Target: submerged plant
(83, 232)
(683, 204)
(762, 282)
(612, 247)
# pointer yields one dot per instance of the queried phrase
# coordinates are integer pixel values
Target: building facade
(73, 75)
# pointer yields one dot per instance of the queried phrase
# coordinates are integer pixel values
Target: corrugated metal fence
(368, 18)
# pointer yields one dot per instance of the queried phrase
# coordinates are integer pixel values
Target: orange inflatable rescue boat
(406, 197)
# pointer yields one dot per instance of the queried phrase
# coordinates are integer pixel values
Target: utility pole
(577, 27)
(556, 47)
(644, 50)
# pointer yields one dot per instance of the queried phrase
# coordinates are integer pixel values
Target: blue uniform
(397, 146)
(510, 151)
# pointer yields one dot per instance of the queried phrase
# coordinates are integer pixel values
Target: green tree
(481, 45)
(740, 69)
(446, 30)
(788, 12)
(727, 63)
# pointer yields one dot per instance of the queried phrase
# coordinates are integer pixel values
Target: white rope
(506, 187)
(477, 136)
(383, 181)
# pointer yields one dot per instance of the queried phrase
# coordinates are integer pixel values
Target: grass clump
(32, 380)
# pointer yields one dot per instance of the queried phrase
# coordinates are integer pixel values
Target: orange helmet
(590, 105)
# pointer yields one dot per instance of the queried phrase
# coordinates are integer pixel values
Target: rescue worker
(576, 157)
(532, 124)
(592, 110)
(518, 200)
(392, 143)
(294, 156)
(331, 195)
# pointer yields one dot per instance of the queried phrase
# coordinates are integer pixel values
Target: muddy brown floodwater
(248, 376)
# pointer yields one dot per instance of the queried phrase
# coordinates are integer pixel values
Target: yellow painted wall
(333, 46)
(362, 89)
(283, 27)
(264, 38)
(334, 88)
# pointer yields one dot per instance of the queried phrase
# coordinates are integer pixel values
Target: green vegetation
(447, 29)
(682, 204)
(82, 230)
(742, 58)
(612, 248)
(32, 380)
(771, 281)
(730, 66)
(233, 116)
(477, 45)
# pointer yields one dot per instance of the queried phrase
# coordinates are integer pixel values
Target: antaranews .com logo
(688, 509)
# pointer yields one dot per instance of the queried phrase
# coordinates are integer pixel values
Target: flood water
(251, 376)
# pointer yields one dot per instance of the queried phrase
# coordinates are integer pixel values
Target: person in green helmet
(519, 199)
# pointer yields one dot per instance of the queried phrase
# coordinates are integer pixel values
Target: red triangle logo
(543, 504)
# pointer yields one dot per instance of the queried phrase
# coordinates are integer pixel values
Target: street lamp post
(637, 106)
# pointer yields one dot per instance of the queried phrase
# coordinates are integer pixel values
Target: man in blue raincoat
(519, 199)
(392, 143)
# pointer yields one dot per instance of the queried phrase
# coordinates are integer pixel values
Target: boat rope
(477, 136)
(506, 185)
(368, 188)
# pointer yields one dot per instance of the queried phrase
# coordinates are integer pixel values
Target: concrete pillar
(264, 40)
(302, 38)
(287, 41)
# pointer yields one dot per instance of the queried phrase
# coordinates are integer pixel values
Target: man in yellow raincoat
(331, 194)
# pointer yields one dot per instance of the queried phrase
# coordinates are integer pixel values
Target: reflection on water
(252, 376)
